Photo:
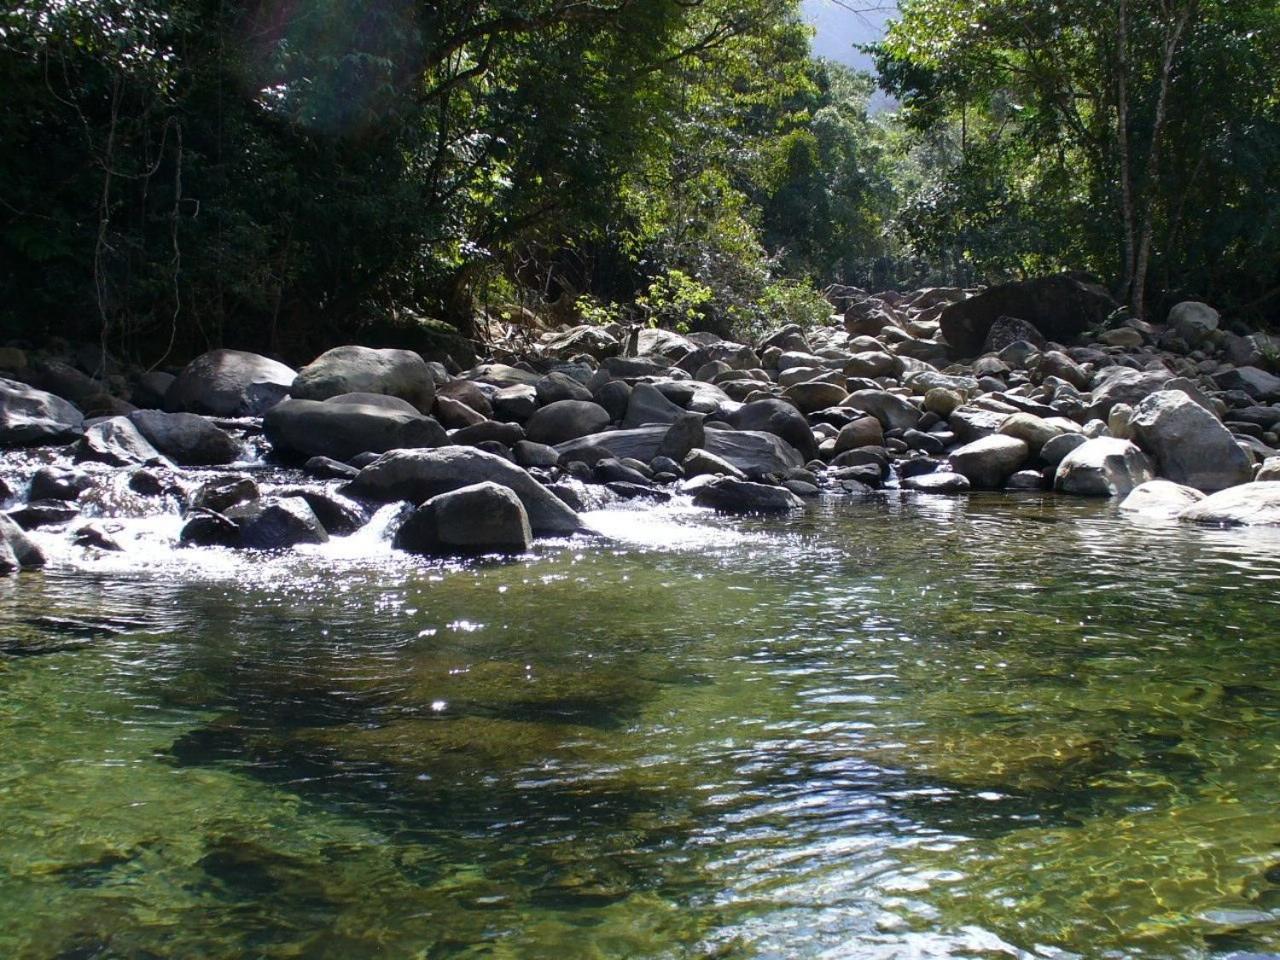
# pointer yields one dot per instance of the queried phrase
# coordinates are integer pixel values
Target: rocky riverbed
(1025, 387)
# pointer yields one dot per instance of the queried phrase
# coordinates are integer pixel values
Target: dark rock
(44, 513)
(1006, 331)
(116, 441)
(611, 470)
(516, 403)
(275, 523)
(207, 528)
(943, 482)
(356, 369)
(1060, 307)
(489, 431)
(564, 420)
(730, 495)
(530, 454)
(229, 383)
(469, 393)
(186, 438)
(648, 405)
(17, 550)
(52, 483)
(222, 494)
(1053, 452)
(92, 535)
(614, 396)
(154, 483)
(340, 516)
(893, 412)
(684, 434)
(479, 518)
(326, 468)
(31, 416)
(454, 414)
(1255, 382)
(340, 430)
(558, 386)
(782, 420)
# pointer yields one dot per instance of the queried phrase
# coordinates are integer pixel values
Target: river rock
(1269, 471)
(489, 431)
(566, 420)
(1250, 504)
(229, 383)
(219, 495)
(116, 441)
(338, 429)
(1160, 499)
(972, 423)
(943, 481)
(863, 432)
(1055, 451)
(1103, 467)
(1060, 307)
(1255, 382)
(1191, 446)
(418, 475)
(557, 386)
(187, 439)
(648, 405)
(1124, 385)
(1005, 331)
(17, 550)
(893, 412)
(275, 523)
(813, 395)
(356, 369)
(755, 453)
(479, 518)
(730, 495)
(340, 516)
(989, 462)
(1193, 322)
(52, 483)
(685, 434)
(584, 339)
(780, 419)
(1034, 431)
(208, 528)
(31, 416)
(699, 463)
(326, 468)
(44, 513)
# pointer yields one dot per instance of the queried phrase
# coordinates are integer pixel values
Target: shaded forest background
(282, 176)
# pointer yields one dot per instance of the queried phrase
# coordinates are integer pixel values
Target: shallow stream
(990, 726)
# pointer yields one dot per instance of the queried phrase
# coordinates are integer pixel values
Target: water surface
(911, 727)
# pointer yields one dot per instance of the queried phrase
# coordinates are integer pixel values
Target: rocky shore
(1029, 386)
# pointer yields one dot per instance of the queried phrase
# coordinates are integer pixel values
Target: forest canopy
(191, 173)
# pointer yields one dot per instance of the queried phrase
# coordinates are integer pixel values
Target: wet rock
(989, 462)
(52, 483)
(149, 482)
(326, 468)
(356, 369)
(479, 518)
(186, 438)
(1103, 467)
(340, 430)
(208, 528)
(275, 523)
(94, 536)
(780, 419)
(699, 463)
(565, 420)
(1060, 307)
(418, 475)
(1160, 499)
(1026, 480)
(225, 492)
(489, 432)
(941, 482)
(116, 441)
(1250, 504)
(612, 470)
(44, 513)
(614, 396)
(31, 416)
(229, 383)
(340, 516)
(731, 495)
(17, 550)
(1191, 446)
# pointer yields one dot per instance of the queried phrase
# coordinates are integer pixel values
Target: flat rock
(730, 495)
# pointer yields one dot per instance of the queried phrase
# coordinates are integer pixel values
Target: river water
(989, 726)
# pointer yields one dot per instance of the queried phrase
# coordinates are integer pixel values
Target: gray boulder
(1060, 307)
(989, 462)
(52, 483)
(1124, 385)
(229, 383)
(17, 551)
(187, 439)
(1191, 446)
(1193, 321)
(1256, 382)
(685, 434)
(355, 369)
(1055, 451)
(275, 523)
(31, 416)
(340, 430)
(730, 495)
(566, 420)
(780, 419)
(479, 518)
(893, 412)
(647, 404)
(557, 386)
(1160, 499)
(1103, 467)
(753, 452)
(941, 482)
(1250, 504)
(419, 475)
(116, 441)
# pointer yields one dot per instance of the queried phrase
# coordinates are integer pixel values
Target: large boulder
(1103, 467)
(275, 523)
(753, 452)
(340, 429)
(480, 518)
(1160, 499)
(1124, 385)
(893, 412)
(1191, 446)
(1193, 321)
(187, 439)
(730, 495)
(419, 475)
(31, 416)
(647, 404)
(779, 418)
(118, 442)
(989, 462)
(229, 383)
(566, 420)
(17, 551)
(584, 339)
(1060, 307)
(1250, 504)
(1254, 381)
(355, 369)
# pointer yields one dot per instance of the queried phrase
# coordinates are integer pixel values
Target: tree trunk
(1126, 160)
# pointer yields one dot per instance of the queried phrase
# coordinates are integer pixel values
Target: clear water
(984, 727)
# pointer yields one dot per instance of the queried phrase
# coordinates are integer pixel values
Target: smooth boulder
(1103, 467)
(116, 441)
(31, 416)
(419, 475)
(1160, 499)
(275, 523)
(1190, 445)
(730, 495)
(187, 439)
(779, 418)
(989, 462)
(229, 383)
(340, 430)
(566, 420)
(480, 518)
(355, 369)
(1250, 504)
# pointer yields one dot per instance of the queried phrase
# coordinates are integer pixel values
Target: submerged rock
(480, 518)
(17, 551)
(1161, 498)
(1250, 504)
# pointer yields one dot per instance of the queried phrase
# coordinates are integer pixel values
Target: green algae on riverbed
(1021, 727)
